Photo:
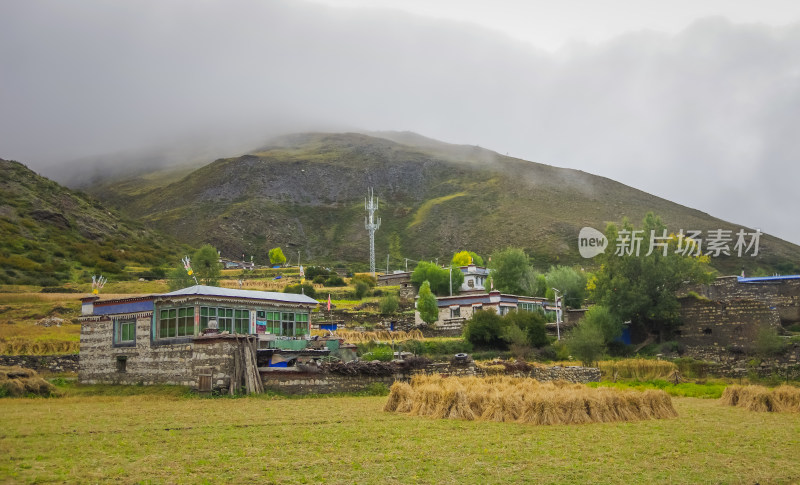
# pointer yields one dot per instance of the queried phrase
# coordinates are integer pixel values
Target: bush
(312, 272)
(382, 353)
(361, 289)
(486, 328)
(389, 304)
(369, 280)
(305, 289)
(769, 343)
(335, 280)
(586, 343)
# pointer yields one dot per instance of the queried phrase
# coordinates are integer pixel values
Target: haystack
(18, 382)
(762, 399)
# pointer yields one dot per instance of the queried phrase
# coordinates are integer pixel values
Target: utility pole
(406, 265)
(371, 225)
(387, 264)
(558, 313)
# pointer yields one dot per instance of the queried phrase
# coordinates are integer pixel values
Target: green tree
(642, 288)
(768, 343)
(178, 279)
(586, 343)
(276, 256)
(206, 265)
(438, 278)
(508, 269)
(426, 305)
(570, 282)
(602, 318)
(534, 283)
(304, 288)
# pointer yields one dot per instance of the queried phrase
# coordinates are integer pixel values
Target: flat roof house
(455, 310)
(191, 337)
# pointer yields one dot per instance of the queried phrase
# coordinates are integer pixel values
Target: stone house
(187, 337)
(731, 311)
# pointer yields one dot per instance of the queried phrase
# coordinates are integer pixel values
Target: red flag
(329, 302)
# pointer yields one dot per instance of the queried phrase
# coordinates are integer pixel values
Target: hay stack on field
(641, 369)
(379, 336)
(503, 399)
(762, 399)
(17, 382)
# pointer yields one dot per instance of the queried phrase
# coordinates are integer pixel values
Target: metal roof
(758, 279)
(203, 290)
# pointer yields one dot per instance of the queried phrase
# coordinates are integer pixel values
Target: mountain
(50, 234)
(305, 193)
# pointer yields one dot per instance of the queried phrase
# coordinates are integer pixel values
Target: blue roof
(759, 279)
(202, 290)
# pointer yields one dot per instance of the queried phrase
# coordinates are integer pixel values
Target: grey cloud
(704, 118)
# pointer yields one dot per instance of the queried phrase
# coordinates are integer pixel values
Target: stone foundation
(51, 363)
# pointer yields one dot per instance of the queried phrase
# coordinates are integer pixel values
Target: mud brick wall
(724, 323)
(39, 363)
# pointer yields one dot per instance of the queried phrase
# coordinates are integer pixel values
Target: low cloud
(705, 117)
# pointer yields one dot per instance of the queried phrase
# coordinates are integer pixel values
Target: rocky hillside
(50, 234)
(306, 193)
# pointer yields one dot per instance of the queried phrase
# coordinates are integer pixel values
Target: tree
(586, 343)
(178, 279)
(206, 265)
(438, 278)
(276, 256)
(569, 282)
(602, 318)
(465, 258)
(426, 305)
(642, 288)
(304, 288)
(768, 343)
(508, 268)
(532, 324)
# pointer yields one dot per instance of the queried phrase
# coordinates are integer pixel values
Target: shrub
(485, 328)
(312, 272)
(369, 280)
(586, 343)
(382, 353)
(319, 279)
(769, 343)
(361, 289)
(335, 280)
(389, 304)
(305, 289)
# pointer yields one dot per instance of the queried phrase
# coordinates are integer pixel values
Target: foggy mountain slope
(50, 234)
(305, 192)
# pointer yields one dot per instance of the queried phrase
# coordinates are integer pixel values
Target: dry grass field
(162, 438)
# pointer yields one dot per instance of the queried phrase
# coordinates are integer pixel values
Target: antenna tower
(372, 225)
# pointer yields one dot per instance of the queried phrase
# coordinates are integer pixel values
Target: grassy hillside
(306, 193)
(50, 235)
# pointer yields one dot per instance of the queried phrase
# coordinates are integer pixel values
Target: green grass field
(163, 438)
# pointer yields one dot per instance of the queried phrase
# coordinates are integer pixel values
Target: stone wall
(178, 363)
(783, 295)
(729, 323)
(291, 382)
(51, 363)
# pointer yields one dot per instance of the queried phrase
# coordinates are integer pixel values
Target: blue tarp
(328, 326)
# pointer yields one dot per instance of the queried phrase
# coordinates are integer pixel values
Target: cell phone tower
(372, 225)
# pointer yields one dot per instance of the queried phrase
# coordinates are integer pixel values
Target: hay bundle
(503, 399)
(17, 382)
(762, 399)
(400, 398)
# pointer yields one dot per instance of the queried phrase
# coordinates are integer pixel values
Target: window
(176, 322)
(455, 312)
(225, 319)
(287, 324)
(241, 322)
(206, 314)
(125, 331)
(529, 307)
(122, 363)
(274, 322)
(301, 327)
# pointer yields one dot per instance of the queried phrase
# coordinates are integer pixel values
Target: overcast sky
(695, 101)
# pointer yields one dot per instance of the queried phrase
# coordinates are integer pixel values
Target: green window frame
(301, 324)
(176, 322)
(274, 322)
(225, 319)
(241, 322)
(125, 331)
